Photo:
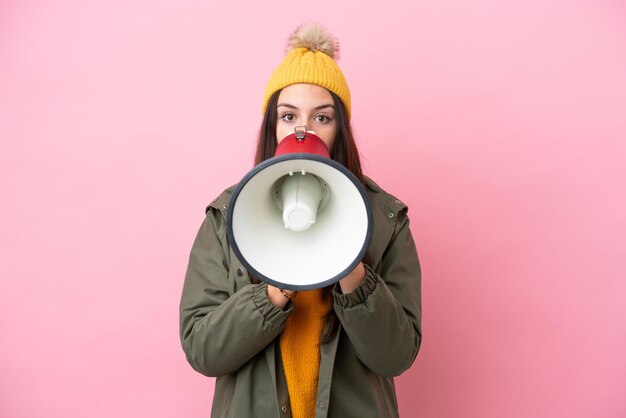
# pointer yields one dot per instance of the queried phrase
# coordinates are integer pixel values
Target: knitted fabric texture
(300, 350)
(302, 65)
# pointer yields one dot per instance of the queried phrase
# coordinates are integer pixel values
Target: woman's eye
(322, 118)
(288, 117)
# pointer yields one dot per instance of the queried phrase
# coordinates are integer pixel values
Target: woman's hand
(279, 297)
(353, 279)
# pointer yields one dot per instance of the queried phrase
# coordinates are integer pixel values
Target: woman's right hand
(279, 297)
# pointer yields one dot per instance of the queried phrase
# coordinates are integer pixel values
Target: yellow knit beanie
(311, 54)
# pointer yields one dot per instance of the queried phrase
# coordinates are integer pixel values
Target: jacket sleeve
(382, 316)
(220, 332)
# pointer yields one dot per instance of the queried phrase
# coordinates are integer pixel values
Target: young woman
(330, 352)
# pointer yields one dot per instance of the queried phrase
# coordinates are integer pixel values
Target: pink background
(501, 124)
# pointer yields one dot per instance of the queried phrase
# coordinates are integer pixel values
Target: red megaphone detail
(302, 143)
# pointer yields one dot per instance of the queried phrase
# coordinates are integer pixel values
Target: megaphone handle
(300, 132)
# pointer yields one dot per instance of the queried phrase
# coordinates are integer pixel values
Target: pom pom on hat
(314, 37)
(311, 55)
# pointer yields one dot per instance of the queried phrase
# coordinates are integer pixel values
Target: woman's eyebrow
(316, 108)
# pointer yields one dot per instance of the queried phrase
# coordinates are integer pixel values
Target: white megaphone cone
(299, 220)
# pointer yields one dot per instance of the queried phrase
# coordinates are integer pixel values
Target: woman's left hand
(353, 279)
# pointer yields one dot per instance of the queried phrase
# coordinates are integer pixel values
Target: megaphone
(299, 220)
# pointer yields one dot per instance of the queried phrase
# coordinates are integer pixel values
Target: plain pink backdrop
(501, 124)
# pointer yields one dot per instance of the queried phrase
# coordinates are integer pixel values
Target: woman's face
(306, 105)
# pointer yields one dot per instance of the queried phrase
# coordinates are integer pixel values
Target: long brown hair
(344, 151)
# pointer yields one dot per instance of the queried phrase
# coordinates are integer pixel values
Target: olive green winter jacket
(229, 328)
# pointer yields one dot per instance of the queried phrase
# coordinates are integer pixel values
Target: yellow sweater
(300, 350)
